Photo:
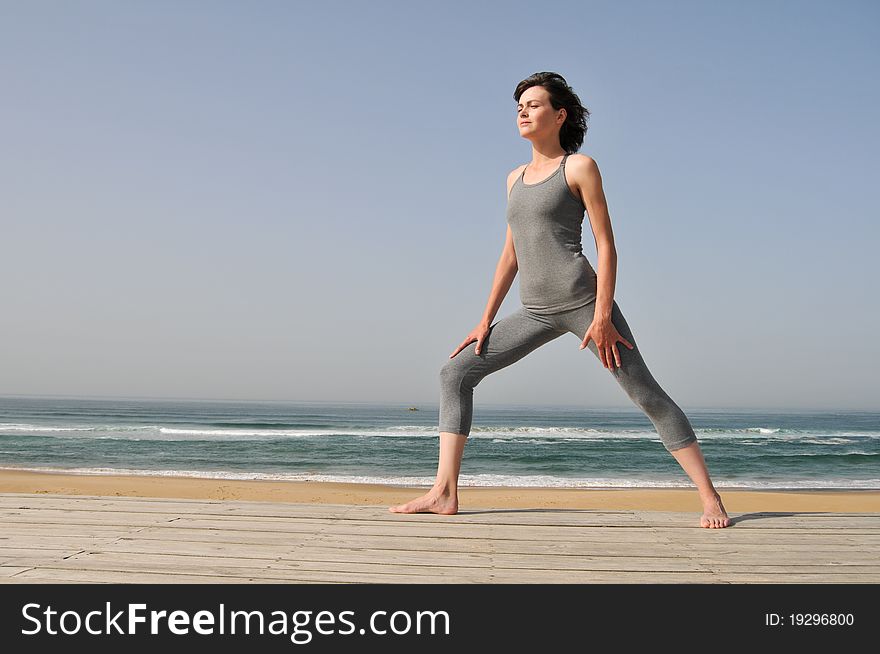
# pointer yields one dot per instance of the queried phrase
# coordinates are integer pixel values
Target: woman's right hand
(477, 334)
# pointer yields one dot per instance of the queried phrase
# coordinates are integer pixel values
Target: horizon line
(430, 403)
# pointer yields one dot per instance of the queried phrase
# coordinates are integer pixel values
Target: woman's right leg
(508, 341)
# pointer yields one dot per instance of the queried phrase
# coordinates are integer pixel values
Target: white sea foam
(41, 428)
(525, 435)
(82, 428)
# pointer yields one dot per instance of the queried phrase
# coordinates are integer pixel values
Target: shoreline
(531, 497)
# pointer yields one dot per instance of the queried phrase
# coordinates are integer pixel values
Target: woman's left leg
(669, 420)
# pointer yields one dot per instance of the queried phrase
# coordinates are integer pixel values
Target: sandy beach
(647, 499)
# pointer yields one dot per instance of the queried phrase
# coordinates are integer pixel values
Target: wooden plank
(779, 527)
(211, 530)
(124, 514)
(38, 497)
(301, 552)
(427, 545)
(798, 578)
(854, 557)
(195, 549)
(761, 515)
(87, 523)
(287, 510)
(183, 506)
(50, 576)
(504, 516)
(796, 567)
(317, 559)
(300, 556)
(127, 515)
(577, 559)
(171, 535)
(109, 577)
(179, 531)
(286, 569)
(159, 574)
(89, 518)
(11, 570)
(601, 577)
(80, 502)
(54, 516)
(35, 544)
(414, 530)
(596, 563)
(278, 568)
(62, 531)
(756, 549)
(37, 554)
(324, 511)
(769, 535)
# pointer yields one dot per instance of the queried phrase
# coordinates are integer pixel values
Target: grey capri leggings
(517, 334)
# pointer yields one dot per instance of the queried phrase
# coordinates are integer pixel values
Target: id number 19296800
(809, 619)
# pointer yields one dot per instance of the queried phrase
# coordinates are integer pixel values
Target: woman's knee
(656, 403)
(458, 373)
(451, 373)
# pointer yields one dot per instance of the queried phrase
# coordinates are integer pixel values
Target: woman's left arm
(585, 173)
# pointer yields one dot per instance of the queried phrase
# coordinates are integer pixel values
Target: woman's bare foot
(434, 501)
(714, 516)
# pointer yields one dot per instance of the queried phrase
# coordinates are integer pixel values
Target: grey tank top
(545, 220)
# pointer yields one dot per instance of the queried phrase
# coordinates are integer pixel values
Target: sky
(305, 201)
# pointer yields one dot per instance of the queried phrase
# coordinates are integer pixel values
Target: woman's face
(534, 113)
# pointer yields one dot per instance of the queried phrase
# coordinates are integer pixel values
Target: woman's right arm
(507, 266)
(505, 272)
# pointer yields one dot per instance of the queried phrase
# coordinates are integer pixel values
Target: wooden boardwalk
(96, 539)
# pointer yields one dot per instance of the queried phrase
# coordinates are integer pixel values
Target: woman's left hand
(605, 336)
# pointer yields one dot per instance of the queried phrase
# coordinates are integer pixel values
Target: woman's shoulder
(582, 169)
(579, 158)
(513, 175)
(516, 171)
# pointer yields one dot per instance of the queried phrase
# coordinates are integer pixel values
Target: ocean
(392, 444)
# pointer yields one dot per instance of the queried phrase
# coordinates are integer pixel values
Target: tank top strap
(563, 159)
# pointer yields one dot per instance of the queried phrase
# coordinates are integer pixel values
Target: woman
(560, 293)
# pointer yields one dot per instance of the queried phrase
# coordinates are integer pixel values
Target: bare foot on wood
(433, 501)
(714, 516)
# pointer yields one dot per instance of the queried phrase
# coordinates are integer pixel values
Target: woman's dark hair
(573, 130)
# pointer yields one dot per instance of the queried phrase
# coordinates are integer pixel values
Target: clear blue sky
(306, 201)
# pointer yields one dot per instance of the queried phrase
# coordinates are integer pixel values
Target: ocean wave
(23, 427)
(527, 434)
